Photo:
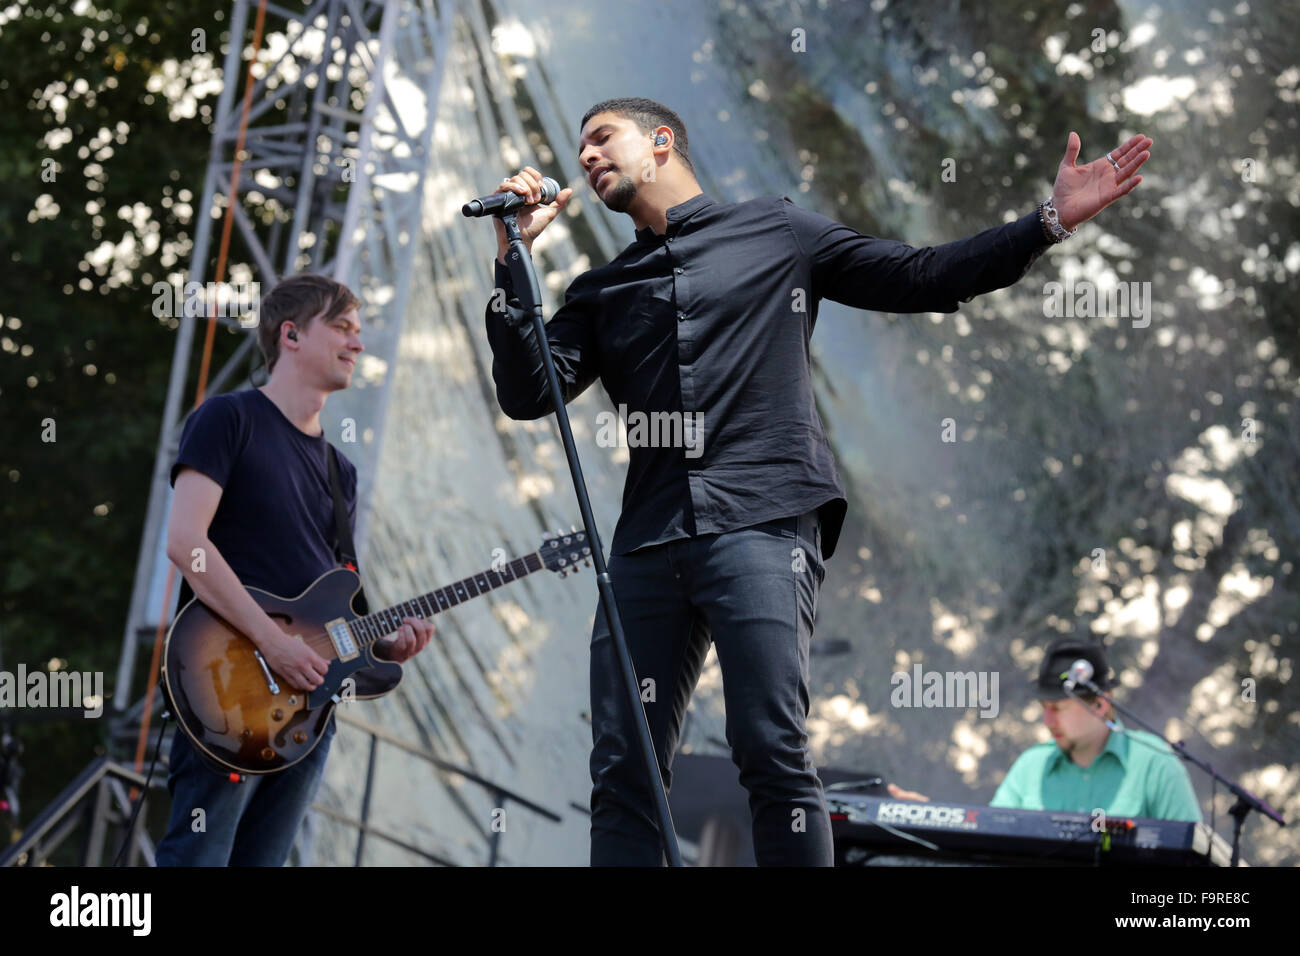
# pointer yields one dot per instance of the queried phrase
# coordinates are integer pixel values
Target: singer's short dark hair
(648, 115)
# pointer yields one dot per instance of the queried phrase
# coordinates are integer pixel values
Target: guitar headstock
(565, 552)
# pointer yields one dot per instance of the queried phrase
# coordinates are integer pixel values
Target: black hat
(1062, 653)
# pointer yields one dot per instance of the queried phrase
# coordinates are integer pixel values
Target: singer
(708, 313)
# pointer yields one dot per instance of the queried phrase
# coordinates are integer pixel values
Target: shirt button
(670, 238)
(681, 316)
(680, 270)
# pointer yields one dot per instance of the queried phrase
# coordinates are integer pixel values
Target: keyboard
(880, 831)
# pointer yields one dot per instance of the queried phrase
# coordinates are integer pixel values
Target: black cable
(130, 827)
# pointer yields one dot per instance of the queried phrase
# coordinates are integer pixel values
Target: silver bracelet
(1051, 221)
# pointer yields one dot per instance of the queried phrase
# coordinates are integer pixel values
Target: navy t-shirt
(275, 522)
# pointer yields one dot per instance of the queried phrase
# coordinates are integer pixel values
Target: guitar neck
(378, 625)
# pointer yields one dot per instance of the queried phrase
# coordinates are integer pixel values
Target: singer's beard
(620, 195)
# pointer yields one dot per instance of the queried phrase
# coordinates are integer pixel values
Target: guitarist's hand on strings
(407, 641)
(300, 666)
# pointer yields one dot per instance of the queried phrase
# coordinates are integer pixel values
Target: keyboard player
(1126, 773)
(1088, 766)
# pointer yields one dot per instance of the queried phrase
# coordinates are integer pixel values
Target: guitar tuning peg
(587, 562)
(573, 528)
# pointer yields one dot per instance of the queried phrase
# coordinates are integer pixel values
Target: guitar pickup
(345, 648)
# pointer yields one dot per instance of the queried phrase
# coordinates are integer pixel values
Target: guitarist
(253, 507)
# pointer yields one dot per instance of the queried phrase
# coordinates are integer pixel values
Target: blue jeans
(252, 823)
(753, 592)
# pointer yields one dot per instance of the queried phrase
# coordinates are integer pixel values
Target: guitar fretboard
(380, 624)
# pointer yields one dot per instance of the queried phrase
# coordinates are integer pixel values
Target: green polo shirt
(1138, 777)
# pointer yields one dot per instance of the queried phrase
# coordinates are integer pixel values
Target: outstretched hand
(1080, 192)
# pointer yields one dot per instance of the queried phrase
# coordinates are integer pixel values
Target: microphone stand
(524, 277)
(1246, 801)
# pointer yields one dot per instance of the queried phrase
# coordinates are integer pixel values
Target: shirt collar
(676, 215)
(1116, 743)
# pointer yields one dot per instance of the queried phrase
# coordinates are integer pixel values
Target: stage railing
(97, 800)
(365, 828)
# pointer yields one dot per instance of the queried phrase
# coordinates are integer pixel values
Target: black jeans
(754, 593)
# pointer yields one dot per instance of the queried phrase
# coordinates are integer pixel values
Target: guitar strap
(367, 682)
(343, 548)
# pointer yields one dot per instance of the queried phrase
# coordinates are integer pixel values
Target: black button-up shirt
(712, 320)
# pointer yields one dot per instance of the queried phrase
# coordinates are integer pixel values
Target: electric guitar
(242, 716)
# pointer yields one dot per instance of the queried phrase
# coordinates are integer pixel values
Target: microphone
(1080, 673)
(498, 203)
